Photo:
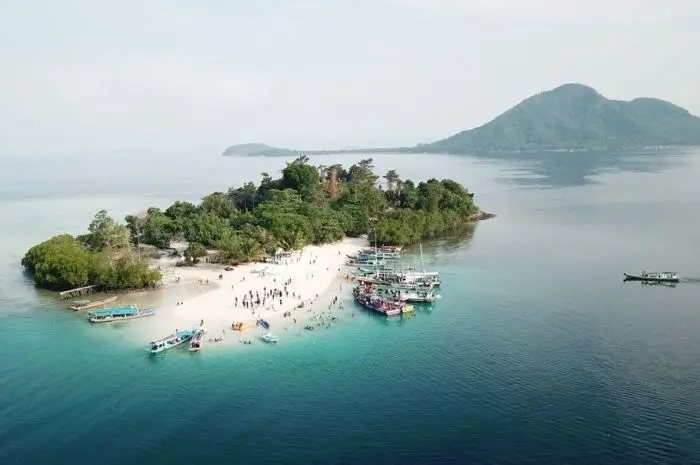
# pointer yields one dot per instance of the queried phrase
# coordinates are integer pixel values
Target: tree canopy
(307, 205)
(311, 205)
(102, 257)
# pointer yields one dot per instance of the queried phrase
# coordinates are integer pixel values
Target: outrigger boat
(196, 341)
(83, 305)
(654, 277)
(128, 312)
(173, 340)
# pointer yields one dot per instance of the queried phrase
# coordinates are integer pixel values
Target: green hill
(574, 116)
(570, 117)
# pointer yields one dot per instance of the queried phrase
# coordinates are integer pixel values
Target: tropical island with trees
(569, 117)
(307, 205)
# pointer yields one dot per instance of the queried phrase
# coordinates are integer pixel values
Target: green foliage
(65, 262)
(194, 252)
(574, 116)
(248, 222)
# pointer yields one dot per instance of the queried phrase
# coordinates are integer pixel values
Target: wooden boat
(653, 276)
(83, 305)
(269, 337)
(239, 326)
(365, 296)
(196, 341)
(127, 312)
(262, 323)
(173, 340)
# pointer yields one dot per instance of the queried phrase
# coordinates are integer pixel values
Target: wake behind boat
(173, 340)
(127, 312)
(654, 277)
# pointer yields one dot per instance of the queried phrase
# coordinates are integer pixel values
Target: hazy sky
(110, 74)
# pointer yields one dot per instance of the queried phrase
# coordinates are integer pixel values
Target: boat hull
(651, 279)
(171, 341)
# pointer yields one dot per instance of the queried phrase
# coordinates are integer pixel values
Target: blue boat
(262, 323)
(174, 340)
(269, 337)
(126, 312)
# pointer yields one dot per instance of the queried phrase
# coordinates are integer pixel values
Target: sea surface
(537, 352)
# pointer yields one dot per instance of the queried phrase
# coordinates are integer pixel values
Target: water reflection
(567, 169)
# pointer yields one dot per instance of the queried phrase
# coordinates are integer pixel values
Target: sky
(91, 75)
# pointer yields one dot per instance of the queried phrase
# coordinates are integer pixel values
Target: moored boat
(197, 338)
(654, 276)
(239, 326)
(173, 340)
(127, 312)
(408, 309)
(269, 337)
(83, 305)
(366, 297)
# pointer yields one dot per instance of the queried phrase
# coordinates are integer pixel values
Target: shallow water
(536, 352)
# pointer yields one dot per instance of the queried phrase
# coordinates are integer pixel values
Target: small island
(571, 117)
(307, 205)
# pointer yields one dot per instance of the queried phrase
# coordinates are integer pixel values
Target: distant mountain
(256, 150)
(570, 117)
(574, 116)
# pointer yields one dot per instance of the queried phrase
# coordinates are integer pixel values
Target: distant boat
(196, 341)
(173, 340)
(654, 277)
(127, 312)
(263, 324)
(82, 305)
(269, 337)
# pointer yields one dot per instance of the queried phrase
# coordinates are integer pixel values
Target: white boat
(269, 337)
(196, 341)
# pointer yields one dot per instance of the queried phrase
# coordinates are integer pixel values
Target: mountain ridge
(569, 117)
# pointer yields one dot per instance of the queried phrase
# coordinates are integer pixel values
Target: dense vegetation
(572, 116)
(308, 204)
(103, 256)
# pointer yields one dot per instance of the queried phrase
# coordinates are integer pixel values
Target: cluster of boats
(387, 286)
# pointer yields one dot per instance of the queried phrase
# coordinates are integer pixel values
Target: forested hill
(575, 116)
(570, 117)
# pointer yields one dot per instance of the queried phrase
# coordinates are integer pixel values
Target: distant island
(307, 205)
(570, 117)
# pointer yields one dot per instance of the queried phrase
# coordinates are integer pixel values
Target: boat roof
(110, 311)
(81, 302)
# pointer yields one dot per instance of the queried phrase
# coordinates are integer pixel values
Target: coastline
(208, 293)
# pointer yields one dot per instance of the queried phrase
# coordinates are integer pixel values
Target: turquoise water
(536, 353)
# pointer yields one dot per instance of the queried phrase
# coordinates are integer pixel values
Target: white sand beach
(208, 293)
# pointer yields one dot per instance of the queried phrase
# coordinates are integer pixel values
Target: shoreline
(208, 293)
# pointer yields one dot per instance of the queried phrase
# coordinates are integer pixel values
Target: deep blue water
(537, 352)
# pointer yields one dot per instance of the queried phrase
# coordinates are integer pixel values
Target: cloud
(561, 10)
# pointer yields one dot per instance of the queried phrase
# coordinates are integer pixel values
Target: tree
(194, 252)
(391, 178)
(299, 176)
(219, 204)
(104, 232)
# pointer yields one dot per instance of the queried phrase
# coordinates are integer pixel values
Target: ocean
(537, 352)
